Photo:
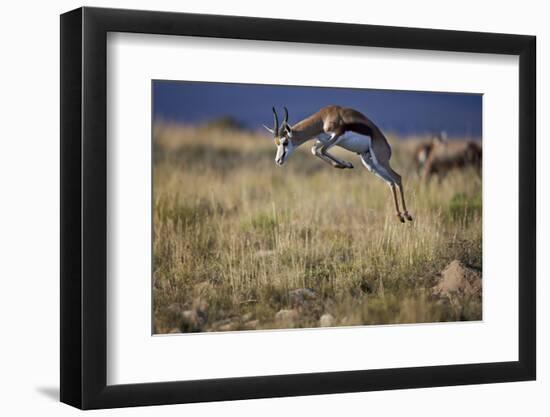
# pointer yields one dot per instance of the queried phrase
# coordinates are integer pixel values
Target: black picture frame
(84, 207)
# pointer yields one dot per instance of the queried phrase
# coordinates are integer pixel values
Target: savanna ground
(240, 243)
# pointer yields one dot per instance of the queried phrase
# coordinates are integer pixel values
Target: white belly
(350, 141)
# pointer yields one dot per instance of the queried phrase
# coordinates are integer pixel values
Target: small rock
(301, 296)
(287, 317)
(460, 279)
(246, 317)
(252, 324)
(327, 320)
(227, 327)
(353, 320)
(219, 323)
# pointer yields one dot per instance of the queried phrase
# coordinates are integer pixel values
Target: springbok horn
(285, 120)
(275, 122)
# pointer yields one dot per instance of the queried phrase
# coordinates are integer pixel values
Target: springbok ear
(269, 129)
(288, 129)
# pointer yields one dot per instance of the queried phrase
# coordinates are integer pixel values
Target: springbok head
(282, 136)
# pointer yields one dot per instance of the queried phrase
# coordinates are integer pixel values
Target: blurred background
(403, 113)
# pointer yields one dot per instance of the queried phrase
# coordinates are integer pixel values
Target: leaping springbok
(349, 129)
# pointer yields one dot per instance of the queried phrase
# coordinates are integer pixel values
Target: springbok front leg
(317, 150)
(333, 141)
(320, 149)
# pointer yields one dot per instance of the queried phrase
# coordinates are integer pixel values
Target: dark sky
(402, 112)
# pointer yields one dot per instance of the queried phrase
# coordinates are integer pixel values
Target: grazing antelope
(348, 129)
(444, 156)
(422, 152)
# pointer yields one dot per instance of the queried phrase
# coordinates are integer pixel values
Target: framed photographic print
(256, 208)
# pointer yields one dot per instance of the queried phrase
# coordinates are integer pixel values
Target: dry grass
(234, 235)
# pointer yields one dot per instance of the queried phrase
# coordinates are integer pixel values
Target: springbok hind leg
(394, 193)
(405, 211)
(372, 165)
(399, 184)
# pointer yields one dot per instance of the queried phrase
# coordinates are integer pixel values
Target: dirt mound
(458, 279)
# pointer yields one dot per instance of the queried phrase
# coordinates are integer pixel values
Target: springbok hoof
(408, 216)
(401, 218)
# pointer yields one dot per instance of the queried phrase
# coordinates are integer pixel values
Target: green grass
(234, 234)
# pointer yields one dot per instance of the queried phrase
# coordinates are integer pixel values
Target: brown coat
(448, 155)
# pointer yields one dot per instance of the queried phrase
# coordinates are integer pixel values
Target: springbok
(348, 129)
(444, 155)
